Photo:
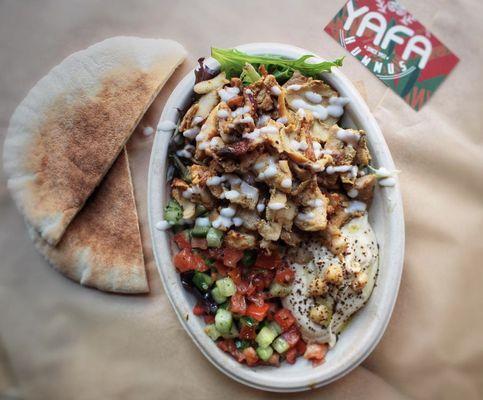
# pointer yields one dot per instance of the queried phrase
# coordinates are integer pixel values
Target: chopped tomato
(247, 332)
(231, 257)
(238, 355)
(228, 345)
(242, 287)
(291, 355)
(316, 353)
(224, 345)
(182, 240)
(301, 346)
(222, 270)
(198, 309)
(316, 362)
(209, 319)
(257, 312)
(292, 336)
(274, 359)
(186, 260)
(235, 275)
(272, 311)
(199, 243)
(284, 318)
(217, 254)
(251, 289)
(261, 280)
(266, 261)
(257, 298)
(238, 304)
(284, 275)
(251, 356)
(213, 276)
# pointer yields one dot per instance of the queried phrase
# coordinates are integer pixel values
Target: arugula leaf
(233, 61)
(181, 168)
(249, 74)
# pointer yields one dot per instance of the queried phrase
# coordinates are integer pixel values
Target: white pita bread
(70, 128)
(102, 246)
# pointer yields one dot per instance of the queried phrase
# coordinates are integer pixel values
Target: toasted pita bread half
(101, 247)
(68, 131)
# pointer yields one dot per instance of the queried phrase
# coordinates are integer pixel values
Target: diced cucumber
(227, 286)
(173, 212)
(200, 231)
(242, 344)
(265, 337)
(278, 290)
(212, 332)
(223, 321)
(202, 281)
(208, 261)
(280, 345)
(249, 258)
(264, 352)
(199, 210)
(217, 296)
(248, 321)
(214, 237)
(275, 327)
(263, 324)
(232, 334)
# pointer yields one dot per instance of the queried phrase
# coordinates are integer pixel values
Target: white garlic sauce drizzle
(263, 120)
(348, 137)
(228, 212)
(276, 206)
(163, 225)
(353, 193)
(356, 206)
(275, 90)
(294, 88)
(339, 168)
(313, 97)
(191, 133)
(186, 152)
(387, 182)
(240, 111)
(202, 221)
(306, 217)
(228, 93)
(223, 113)
(286, 183)
(334, 109)
(166, 125)
(148, 130)
(197, 120)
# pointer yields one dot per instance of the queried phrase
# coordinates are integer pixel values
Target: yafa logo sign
(389, 41)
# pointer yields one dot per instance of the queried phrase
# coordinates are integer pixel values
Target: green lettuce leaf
(233, 61)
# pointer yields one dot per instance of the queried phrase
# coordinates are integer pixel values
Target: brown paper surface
(62, 341)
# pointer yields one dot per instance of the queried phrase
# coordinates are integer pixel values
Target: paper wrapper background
(61, 341)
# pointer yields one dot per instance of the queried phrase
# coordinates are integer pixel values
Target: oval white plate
(386, 215)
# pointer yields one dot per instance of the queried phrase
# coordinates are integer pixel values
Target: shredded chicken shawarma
(277, 156)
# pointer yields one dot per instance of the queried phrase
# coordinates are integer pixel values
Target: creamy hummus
(361, 258)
